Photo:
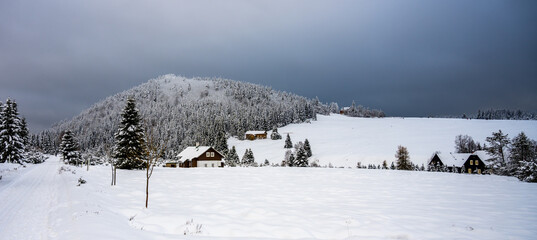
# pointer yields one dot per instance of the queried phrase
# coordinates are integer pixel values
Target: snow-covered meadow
(265, 203)
(344, 141)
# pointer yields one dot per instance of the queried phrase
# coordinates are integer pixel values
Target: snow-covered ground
(264, 203)
(344, 141)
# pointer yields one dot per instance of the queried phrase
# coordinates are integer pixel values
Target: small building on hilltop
(460, 162)
(201, 156)
(253, 135)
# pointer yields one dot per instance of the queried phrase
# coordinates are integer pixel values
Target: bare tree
(112, 162)
(152, 154)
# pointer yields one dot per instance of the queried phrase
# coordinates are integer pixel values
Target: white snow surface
(264, 203)
(344, 141)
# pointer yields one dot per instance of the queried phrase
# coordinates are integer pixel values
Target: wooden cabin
(461, 162)
(253, 135)
(344, 110)
(201, 156)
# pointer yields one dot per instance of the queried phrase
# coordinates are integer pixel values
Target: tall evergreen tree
(307, 148)
(403, 159)
(11, 133)
(69, 149)
(522, 153)
(232, 158)
(288, 143)
(301, 158)
(498, 143)
(130, 142)
(221, 142)
(248, 159)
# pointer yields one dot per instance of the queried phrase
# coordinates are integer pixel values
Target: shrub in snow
(81, 181)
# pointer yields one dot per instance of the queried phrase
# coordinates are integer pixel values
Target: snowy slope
(264, 203)
(344, 141)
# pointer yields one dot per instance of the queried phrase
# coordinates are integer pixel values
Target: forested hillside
(185, 111)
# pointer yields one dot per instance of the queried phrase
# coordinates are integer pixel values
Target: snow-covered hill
(344, 141)
(186, 111)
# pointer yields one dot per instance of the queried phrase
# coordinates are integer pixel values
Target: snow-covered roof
(483, 155)
(192, 152)
(453, 159)
(458, 159)
(255, 132)
(346, 108)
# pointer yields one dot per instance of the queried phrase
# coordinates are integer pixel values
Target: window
(476, 162)
(206, 165)
(207, 154)
(212, 154)
(478, 171)
(471, 162)
(469, 170)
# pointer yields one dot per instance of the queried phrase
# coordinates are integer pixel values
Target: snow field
(303, 203)
(344, 141)
(265, 203)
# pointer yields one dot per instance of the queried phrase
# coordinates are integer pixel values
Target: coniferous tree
(232, 158)
(403, 159)
(130, 143)
(384, 164)
(69, 149)
(392, 167)
(292, 161)
(275, 135)
(498, 143)
(24, 132)
(301, 158)
(307, 148)
(522, 152)
(288, 143)
(11, 132)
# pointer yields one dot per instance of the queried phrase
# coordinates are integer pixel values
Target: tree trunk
(146, 192)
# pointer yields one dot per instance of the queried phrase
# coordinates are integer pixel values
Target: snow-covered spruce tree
(288, 143)
(307, 147)
(292, 160)
(248, 159)
(498, 144)
(403, 159)
(527, 171)
(275, 135)
(522, 150)
(301, 158)
(11, 132)
(392, 167)
(232, 158)
(130, 141)
(69, 149)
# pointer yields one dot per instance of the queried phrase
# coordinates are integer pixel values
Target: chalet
(461, 162)
(201, 156)
(344, 110)
(253, 135)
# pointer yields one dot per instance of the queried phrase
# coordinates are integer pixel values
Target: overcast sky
(408, 58)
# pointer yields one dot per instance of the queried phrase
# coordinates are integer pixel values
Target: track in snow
(27, 200)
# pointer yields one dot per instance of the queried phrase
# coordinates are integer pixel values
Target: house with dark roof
(461, 162)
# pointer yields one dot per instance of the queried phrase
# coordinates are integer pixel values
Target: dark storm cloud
(411, 58)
